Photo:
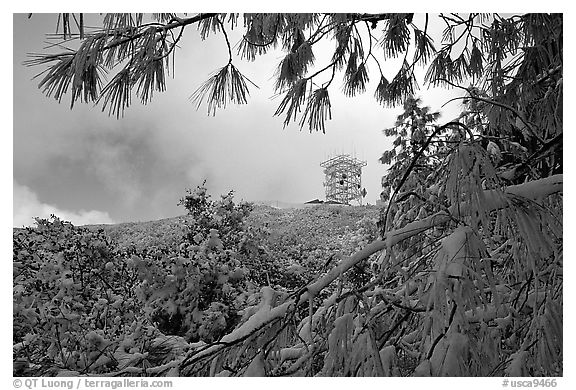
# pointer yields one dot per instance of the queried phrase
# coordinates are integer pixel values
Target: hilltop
(318, 222)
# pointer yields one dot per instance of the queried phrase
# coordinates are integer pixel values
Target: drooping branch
(475, 96)
(126, 39)
(144, 46)
(495, 200)
(227, 40)
(519, 170)
(415, 160)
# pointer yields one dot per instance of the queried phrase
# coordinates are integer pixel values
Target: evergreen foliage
(462, 277)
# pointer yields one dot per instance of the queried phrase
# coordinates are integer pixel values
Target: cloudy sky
(86, 167)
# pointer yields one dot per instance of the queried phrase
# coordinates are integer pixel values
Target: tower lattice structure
(343, 181)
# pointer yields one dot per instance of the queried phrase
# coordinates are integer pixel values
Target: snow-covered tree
(468, 276)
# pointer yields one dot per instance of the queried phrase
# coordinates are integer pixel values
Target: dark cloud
(125, 168)
(137, 168)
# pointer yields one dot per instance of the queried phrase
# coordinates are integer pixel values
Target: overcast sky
(89, 168)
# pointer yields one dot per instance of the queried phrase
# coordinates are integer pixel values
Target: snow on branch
(495, 199)
(534, 190)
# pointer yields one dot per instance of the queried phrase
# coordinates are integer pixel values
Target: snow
(387, 357)
(263, 316)
(517, 365)
(534, 190)
(291, 353)
(454, 251)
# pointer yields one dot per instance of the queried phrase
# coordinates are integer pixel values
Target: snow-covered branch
(533, 190)
(495, 199)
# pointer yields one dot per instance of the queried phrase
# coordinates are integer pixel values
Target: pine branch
(227, 40)
(475, 96)
(130, 38)
(82, 68)
(531, 190)
(413, 164)
(317, 110)
(524, 167)
(227, 84)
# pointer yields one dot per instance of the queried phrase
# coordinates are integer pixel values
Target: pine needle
(355, 82)
(117, 93)
(294, 66)
(317, 110)
(225, 85)
(440, 69)
(292, 101)
(381, 94)
(401, 87)
(396, 36)
(424, 47)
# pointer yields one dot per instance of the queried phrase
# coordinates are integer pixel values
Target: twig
(131, 38)
(227, 41)
(528, 125)
(413, 164)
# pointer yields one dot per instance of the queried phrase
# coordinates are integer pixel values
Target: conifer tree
(468, 267)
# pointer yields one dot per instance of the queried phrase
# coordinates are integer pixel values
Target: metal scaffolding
(343, 183)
